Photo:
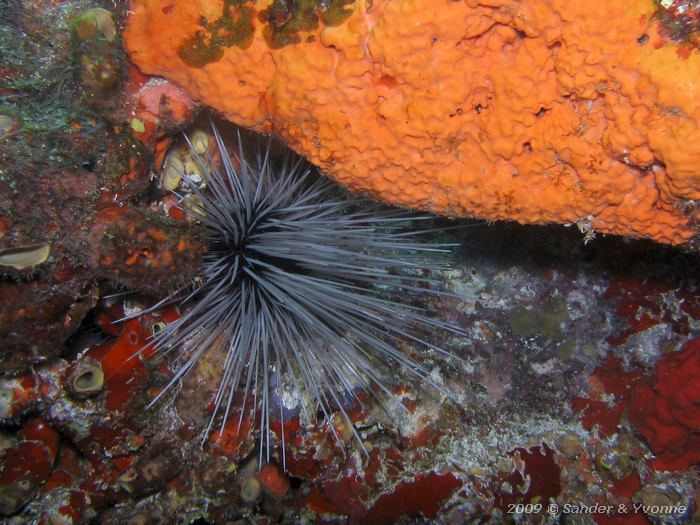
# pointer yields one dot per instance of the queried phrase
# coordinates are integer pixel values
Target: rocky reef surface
(575, 391)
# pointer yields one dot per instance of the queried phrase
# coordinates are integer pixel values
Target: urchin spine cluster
(291, 289)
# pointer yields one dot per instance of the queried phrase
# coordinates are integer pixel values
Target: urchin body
(291, 290)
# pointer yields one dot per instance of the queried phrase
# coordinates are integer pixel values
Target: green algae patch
(337, 12)
(95, 23)
(97, 54)
(544, 320)
(283, 23)
(198, 51)
(286, 22)
(234, 28)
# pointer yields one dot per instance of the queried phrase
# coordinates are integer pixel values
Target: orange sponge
(540, 111)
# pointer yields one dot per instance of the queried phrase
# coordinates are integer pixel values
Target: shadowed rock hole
(295, 483)
(200, 521)
(89, 165)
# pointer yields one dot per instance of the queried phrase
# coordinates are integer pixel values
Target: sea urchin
(293, 289)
